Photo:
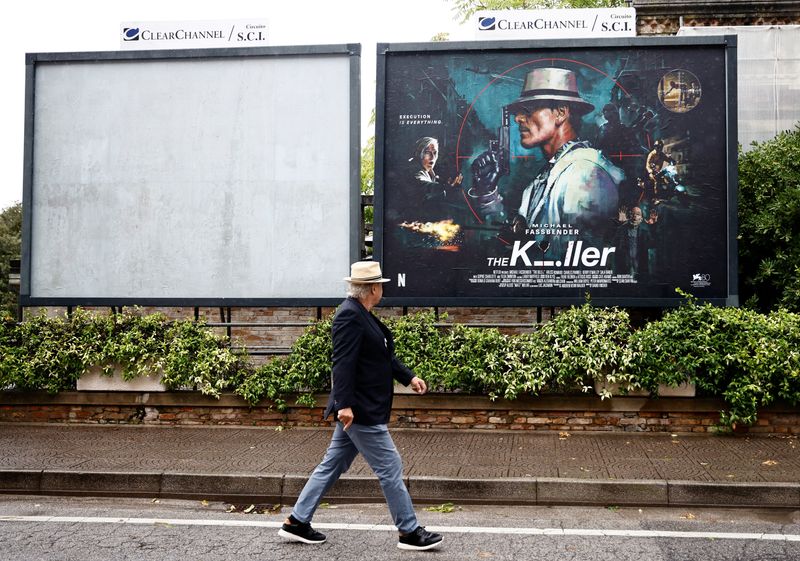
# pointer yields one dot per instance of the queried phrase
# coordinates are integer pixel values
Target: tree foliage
(769, 223)
(10, 244)
(465, 8)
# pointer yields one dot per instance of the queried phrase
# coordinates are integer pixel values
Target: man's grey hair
(358, 290)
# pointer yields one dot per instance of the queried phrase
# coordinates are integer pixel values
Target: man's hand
(418, 385)
(485, 173)
(345, 416)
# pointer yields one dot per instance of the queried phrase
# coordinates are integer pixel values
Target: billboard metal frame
(353, 51)
(726, 42)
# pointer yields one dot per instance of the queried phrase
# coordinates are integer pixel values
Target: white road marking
(386, 528)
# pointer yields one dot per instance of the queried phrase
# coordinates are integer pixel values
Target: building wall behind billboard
(769, 77)
(217, 178)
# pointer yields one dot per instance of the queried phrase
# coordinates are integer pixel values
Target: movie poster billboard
(546, 173)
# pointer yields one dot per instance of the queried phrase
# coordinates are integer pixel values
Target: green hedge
(747, 358)
(51, 353)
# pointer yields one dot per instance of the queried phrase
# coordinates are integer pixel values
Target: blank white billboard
(219, 178)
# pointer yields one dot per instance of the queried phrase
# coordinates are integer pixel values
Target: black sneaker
(300, 532)
(419, 540)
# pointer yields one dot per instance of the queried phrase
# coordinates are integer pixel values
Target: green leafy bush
(747, 358)
(476, 362)
(306, 371)
(769, 223)
(51, 353)
(584, 344)
(197, 357)
(135, 344)
(465, 359)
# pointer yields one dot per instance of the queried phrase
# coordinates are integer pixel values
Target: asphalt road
(89, 529)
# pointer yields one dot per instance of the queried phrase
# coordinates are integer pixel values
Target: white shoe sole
(401, 545)
(289, 536)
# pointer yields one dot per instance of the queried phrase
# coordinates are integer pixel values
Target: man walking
(364, 367)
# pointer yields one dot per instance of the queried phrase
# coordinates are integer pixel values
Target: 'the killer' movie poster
(510, 173)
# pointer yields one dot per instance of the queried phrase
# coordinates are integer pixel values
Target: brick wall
(279, 338)
(568, 414)
(663, 17)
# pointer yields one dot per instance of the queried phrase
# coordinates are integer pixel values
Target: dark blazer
(364, 365)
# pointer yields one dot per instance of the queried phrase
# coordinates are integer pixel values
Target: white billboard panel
(221, 179)
(769, 77)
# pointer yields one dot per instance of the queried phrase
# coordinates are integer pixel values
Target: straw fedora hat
(365, 272)
(551, 84)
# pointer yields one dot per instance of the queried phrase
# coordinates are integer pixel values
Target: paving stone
(591, 466)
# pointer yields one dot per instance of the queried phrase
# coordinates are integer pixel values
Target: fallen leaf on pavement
(445, 508)
(769, 463)
(688, 516)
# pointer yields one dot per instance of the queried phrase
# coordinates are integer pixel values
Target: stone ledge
(457, 412)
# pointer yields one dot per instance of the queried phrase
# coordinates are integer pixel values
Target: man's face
(536, 125)
(377, 293)
(429, 156)
(636, 216)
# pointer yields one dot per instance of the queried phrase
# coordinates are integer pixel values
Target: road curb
(734, 494)
(284, 489)
(108, 484)
(563, 491)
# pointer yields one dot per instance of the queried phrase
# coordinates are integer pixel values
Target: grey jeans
(376, 445)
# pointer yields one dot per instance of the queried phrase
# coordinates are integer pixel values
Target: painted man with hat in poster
(364, 370)
(577, 188)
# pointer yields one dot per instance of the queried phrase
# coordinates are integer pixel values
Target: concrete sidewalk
(459, 466)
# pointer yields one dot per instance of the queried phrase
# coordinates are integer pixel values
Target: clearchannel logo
(487, 23)
(130, 34)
